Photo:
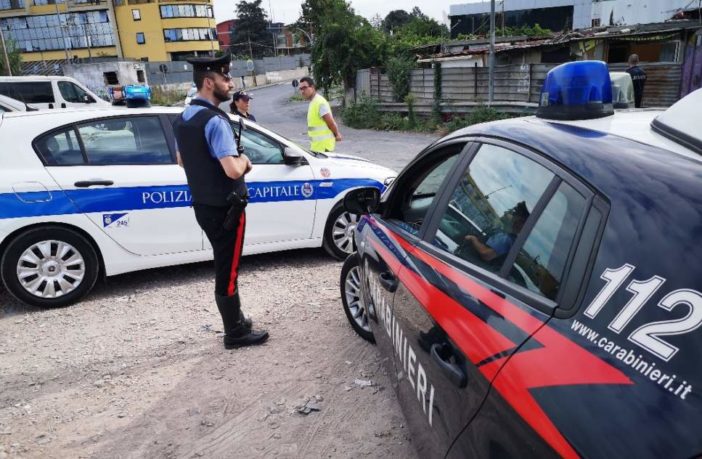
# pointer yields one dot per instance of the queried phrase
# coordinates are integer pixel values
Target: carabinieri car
(535, 283)
(91, 192)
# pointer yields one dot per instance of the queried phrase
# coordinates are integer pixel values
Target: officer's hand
(339, 137)
(249, 166)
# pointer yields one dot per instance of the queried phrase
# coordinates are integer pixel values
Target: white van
(48, 92)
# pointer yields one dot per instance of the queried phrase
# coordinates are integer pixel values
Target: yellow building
(149, 30)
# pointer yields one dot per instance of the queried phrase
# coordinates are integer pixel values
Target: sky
(288, 11)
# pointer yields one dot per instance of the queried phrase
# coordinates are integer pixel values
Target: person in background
(241, 104)
(638, 76)
(321, 127)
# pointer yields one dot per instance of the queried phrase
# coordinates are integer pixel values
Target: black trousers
(226, 245)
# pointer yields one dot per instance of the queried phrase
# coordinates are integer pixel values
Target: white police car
(91, 192)
(534, 285)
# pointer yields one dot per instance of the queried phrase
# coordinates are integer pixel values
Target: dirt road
(138, 370)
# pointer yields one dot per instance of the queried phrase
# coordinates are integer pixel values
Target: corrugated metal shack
(670, 52)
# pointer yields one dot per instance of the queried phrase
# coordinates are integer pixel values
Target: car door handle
(388, 281)
(89, 183)
(455, 373)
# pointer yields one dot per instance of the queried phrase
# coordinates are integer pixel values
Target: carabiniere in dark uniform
(215, 165)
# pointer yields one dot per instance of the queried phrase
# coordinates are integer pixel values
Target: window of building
(140, 38)
(110, 78)
(11, 4)
(55, 32)
(199, 34)
(140, 76)
(136, 15)
(186, 11)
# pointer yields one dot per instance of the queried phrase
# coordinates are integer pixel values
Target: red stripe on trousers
(234, 271)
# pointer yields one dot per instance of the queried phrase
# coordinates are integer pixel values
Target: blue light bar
(576, 91)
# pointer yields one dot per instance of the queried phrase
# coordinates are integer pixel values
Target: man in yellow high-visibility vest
(321, 127)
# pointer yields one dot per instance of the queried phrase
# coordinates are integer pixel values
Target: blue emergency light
(576, 90)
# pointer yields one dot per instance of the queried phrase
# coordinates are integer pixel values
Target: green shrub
(399, 70)
(363, 114)
(411, 117)
(392, 122)
(160, 96)
(484, 114)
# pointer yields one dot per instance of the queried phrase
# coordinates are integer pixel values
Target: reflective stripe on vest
(321, 137)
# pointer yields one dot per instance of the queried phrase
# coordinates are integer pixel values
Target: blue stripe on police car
(161, 197)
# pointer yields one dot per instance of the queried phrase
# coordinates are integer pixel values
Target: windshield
(680, 123)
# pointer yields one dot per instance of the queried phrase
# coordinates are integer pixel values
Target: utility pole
(87, 42)
(4, 52)
(503, 18)
(253, 71)
(63, 33)
(491, 59)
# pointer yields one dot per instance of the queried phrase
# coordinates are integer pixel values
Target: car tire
(352, 299)
(131, 103)
(49, 267)
(338, 239)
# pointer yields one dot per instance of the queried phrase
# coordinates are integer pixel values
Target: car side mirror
(292, 157)
(362, 200)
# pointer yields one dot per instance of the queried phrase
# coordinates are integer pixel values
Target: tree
(251, 35)
(395, 19)
(14, 55)
(343, 42)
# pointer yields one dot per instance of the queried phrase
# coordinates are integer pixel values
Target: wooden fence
(517, 87)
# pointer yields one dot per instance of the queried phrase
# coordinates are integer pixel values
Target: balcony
(77, 4)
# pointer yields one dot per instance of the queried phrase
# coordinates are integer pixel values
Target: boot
(246, 321)
(236, 333)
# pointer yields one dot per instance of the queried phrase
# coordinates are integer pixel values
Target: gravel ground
(138, 370)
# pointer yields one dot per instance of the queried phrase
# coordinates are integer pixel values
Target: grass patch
(297, 98)
(365, 114)
(166, 97)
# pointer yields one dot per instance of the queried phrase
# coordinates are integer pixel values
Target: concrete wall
(243, 82)
(181, 72)
(92, 75)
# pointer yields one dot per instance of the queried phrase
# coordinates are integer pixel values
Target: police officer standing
(638, 76)
(241, 104)
(321, 127)
(215, 170)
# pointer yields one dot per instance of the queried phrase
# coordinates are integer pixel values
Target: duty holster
(237, 204)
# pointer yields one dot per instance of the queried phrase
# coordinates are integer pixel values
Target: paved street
(274, 109)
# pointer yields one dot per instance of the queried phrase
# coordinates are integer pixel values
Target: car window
(72, 93)
(490, 205)
(60, 148)
(423, 188)
(38, 92)
(542, 259)
(4, 109)
(137, 140)
(261, 149)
